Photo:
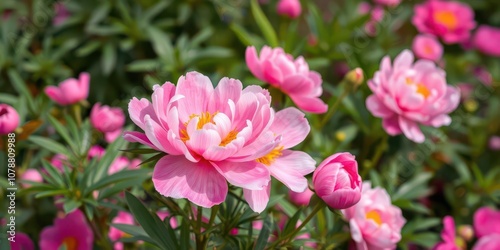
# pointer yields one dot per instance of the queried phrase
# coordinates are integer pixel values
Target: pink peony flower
(290, 8)
(70, 91)
(31, 175)
(407, 94)
(486, 40)
(376, 15)
(293, 77)
(448, 236)
(72, 231)
(486, 222)
(22, 242)
(288, 166)
(489, 242)
(374, 222)
(450, 20)
(114, 233)
(427, 47)
(390, 3)
(210, 135)
(61, 14)
(494, 143)
(9, 119)
(106, 119)
(337, 182)
(301, 198)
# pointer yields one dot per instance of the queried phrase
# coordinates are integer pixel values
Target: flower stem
(333, 108)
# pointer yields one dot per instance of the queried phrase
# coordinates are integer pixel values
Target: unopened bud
(466, 232)
(354, 77)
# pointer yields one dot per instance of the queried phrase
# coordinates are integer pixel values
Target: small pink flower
(409, 93)
(61, 14)
(427, 47)
(301, 198)
(164, 214)
(120, 163)
(31, 175)
(489, 242)
(486, 40)
(72, 231)
(70, 91)
(106, 119)
(293, 77)
(450, 20)
(58, 161)
(110, 137)
(9, 119)
(22, 242)
(466, 90)
(390, 3)
(483, 75)
(290, 8)
(114, 233)
(447, 235)
(376, 15)
(486, 222)
(337, 182)
(494, 143)
(374, 222)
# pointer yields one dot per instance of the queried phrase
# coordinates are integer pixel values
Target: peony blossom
(450, 20)
(447, 235)
(290, 8)
(72, 232)
(70, 91)
(486, 222)
(212, 136)
(9, 119)
(292, 77)
(31, 175)
(427, 47)
(486, 40)
(489, 242)
(22, 242)
(301, 198)
(406, 94)
(288, 166)
(374, 222)
(106, 119)
(390, 3)
(337, 182)
(114, 233)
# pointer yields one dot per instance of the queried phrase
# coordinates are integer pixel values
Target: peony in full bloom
(407, 93)
(452, 21)
(489, 242)
(390, 3)
(290, 8)
(106, 118)
(486, 40)
(337, 182)
(427, 47)
(288, 166)
(301, 198)
(448, 236)
(70, 91)
(72, 231)
(374, 222)
(212, 136)
(486, 222)
(9, 119)
(22, 242)
(114, 233)
(292, 77)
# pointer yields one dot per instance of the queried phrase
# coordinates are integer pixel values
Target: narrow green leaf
(264, 24)
(108, 59)
(70, 206)
(119, 177)
(264, 233)
(49, 144)
(161, 43)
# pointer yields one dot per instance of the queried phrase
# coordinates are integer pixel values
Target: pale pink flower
(406, 94)
(9, 119)
(450, 20)
(486, 221)
(447, 235)
(486, 40)
(106, 118)
(494, 143)
(70, 91)
(489, 242)
(374, 222)
(31, 175)
(61, 14)
(114, 233)
(427, 47)
(288, 166)
(72, 231)
(301, 198)
(337, 182)
(390, 3)
(290, 8)
(210, 135)
(292, 77)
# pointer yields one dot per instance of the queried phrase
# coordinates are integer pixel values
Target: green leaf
(143, 65)
(264, 24)
(264, 233)
(160, 232)
(291, 224)
(20, 86)
(127, 175)
(62, 131)
(140, 150)
(108, 59)
(49, 144)
(413, 188)
(134, 231)
(53, 174)
(7, 98)
(161, 43)
(70, 206)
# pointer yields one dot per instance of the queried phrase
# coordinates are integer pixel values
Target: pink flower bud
(466, 232)
(290, 8)
(337, 181)
(301, 199)
(31, 175)
(106, 119)
(9, 119)
(70, 91)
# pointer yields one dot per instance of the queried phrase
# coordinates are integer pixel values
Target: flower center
(421, 89)
(271, 156)
(204, 118)
(446, 18)
(229, 137)
(374, 216)
(70, 243)
(428, 49)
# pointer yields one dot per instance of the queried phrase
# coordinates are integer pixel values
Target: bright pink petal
(391, 125)
(133, 136)
(197, 90)
(411, 130)
(291, 167)
(253, 62)
(310, 104)
(55, 94)
(248, 175)
(257, 199)
(292, 125)
(377, 108)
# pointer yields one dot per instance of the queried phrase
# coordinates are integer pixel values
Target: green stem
(333, 108)
(77, 113)
(380, 150)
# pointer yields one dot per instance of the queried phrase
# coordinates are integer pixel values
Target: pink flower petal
(257, 199)
(291, 167)
(248, 175)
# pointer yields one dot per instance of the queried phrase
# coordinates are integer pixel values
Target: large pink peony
(210, 135)
(293, 77)
(374, 222)
(406, 94)
(72, 232)
(450, 20)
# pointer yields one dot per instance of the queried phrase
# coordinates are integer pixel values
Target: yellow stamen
(70, 243)
(271, 156)
(229, 137)
(421, 89)
(204, 118)
(446, 18)
(375, 216)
